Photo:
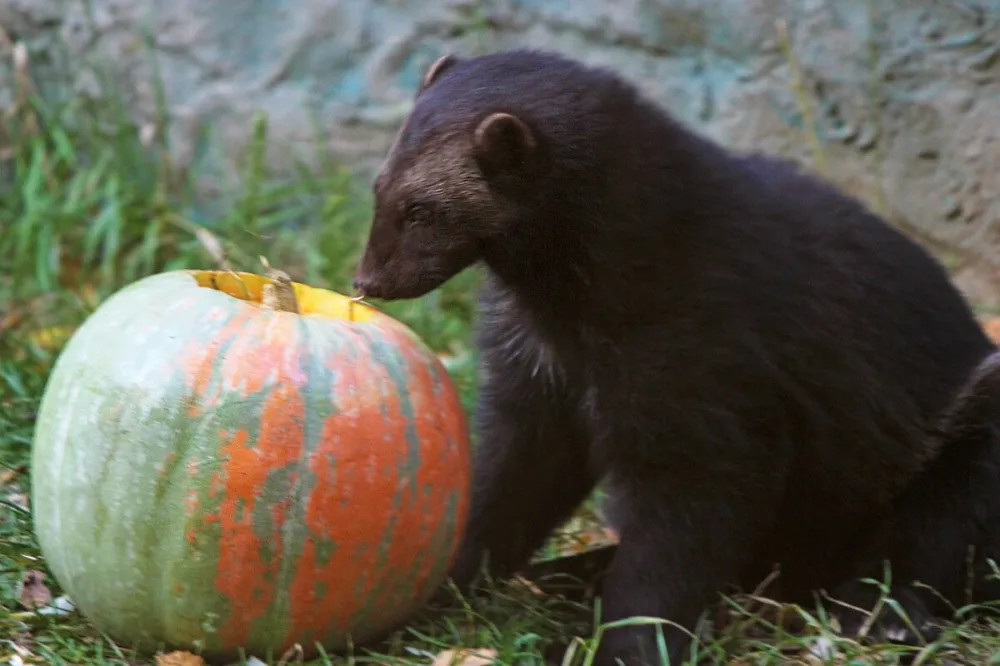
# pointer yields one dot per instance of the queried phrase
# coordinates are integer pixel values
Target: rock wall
(897, 100)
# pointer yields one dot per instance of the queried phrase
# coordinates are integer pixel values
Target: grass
(89, 203)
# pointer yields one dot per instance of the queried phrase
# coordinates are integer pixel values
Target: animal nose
(362, 284)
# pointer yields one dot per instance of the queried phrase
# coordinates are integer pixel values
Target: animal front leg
(681, 545)
(530, 474)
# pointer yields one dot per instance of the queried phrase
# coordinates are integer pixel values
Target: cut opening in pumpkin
(254, 288)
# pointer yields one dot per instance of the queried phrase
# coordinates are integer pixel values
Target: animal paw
(856, 601)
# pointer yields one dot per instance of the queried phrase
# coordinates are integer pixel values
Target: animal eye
(416, 214)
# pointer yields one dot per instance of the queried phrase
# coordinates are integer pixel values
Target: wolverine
(761, 371)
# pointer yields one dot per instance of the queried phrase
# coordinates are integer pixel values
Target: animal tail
(949, 511)
(974, 413)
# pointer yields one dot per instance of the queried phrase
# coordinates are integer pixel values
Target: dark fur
(943, 529)
(752, 361)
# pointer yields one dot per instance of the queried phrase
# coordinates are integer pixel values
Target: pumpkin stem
(350, 305)
(279, 293)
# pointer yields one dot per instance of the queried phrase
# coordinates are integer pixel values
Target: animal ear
(503, 141)
(439, 67)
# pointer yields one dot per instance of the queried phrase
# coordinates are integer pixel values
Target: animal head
(468, 170)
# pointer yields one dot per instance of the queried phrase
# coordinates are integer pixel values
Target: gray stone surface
(905, 94)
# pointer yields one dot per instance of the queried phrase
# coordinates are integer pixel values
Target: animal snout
(363, 284)
(371, 283)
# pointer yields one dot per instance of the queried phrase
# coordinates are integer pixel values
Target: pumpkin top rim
(312, 301)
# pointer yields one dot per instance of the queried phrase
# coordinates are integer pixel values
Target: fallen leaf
(294, 655)
(465, 657)
(6, 476)
(51, 338)
(59, 606)
(18, 499)
(89, 295)
(10, 320)
(581, 536)
(531, 587)
(179, 659)
(34, 593)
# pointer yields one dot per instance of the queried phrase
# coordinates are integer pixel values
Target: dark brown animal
(752, 361)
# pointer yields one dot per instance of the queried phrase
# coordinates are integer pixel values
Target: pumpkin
(212, 474)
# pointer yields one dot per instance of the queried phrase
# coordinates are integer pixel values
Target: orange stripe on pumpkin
(356, 464)
(244, 576)
(435, 425)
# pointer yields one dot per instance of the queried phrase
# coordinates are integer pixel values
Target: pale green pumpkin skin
(211, 475)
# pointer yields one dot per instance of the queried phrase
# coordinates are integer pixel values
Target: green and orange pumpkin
(212, 474)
